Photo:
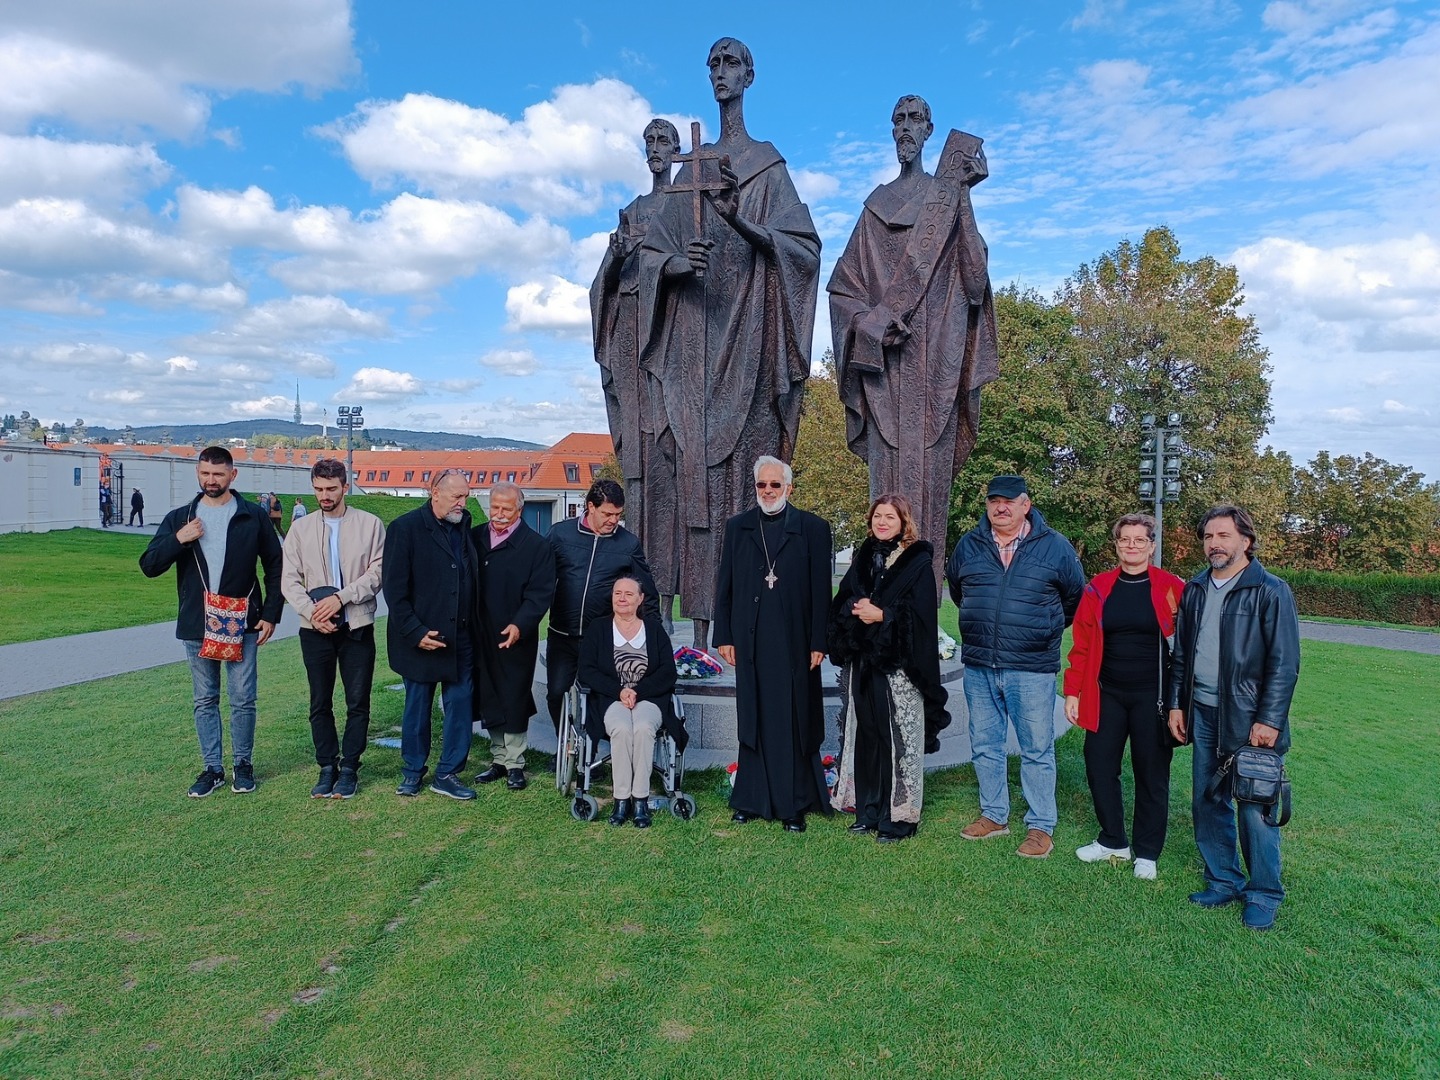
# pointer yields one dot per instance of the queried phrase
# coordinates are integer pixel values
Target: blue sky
(402, 206)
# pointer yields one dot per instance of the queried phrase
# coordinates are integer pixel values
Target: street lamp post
(1160, 452)
(349, 417)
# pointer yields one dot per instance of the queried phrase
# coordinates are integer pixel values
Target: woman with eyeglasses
(1123, 633)
(883, 637)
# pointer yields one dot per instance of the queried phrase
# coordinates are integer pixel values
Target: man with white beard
(431, 584)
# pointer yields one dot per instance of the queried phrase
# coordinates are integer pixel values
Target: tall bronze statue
(626, 299)
(913, 320)
(731, 350)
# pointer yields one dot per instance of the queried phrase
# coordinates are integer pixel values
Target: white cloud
(814, 186)
(181, 363)
(559, 158)
(270, 405)
(153, 294)
(1390, 405)
(307, 318)
(1347, 415)
(33, 165)
(104, 65)
(411, 244)
(64, 237)
(554, 305)
(515, 362)
(380, 384)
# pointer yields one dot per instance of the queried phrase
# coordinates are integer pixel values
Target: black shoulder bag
(1257, 775)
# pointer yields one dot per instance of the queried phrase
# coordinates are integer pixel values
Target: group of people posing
(1155, 661)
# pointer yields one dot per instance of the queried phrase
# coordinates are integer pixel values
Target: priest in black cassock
(771, 604)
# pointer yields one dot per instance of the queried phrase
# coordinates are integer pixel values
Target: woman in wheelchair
(627, 667)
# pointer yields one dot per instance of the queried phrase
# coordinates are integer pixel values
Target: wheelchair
(577, 758)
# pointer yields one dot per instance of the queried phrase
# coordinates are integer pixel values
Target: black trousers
(874, 757)
(562, 664)
(353, 655)
(137, 513)
(1130, 714)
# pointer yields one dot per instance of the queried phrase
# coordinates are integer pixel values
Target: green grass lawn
(144, 934)
(75, 581)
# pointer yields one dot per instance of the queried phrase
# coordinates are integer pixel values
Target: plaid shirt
(1007, 551)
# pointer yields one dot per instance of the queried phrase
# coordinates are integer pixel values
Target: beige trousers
(632, 747)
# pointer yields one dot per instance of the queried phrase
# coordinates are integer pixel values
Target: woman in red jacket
(1122, 636)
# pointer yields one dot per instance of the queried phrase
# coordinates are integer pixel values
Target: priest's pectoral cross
(697, 183)
(770, 578)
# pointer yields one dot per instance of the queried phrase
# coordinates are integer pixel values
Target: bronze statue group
(703, 310)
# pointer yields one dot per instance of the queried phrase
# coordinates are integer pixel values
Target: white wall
(38, 490)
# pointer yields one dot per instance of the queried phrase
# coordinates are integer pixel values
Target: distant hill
(244, 429)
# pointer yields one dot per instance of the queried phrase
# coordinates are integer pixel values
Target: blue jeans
(1027, 700)
(456, 706)
(241, 685)
(1215, 826)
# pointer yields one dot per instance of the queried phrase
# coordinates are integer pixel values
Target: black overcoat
(421, 583)
(517, 585)
(597, 675)
(802, 569)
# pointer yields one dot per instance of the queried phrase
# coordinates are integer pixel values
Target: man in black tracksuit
(591, 551)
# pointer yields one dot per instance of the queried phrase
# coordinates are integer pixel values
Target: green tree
(1138, 331)
(1363, 514)
(829, 480)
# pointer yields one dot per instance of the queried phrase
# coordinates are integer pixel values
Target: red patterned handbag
(225, 618)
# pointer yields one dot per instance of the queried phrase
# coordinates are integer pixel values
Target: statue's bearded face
(911, 127)
(660, 148)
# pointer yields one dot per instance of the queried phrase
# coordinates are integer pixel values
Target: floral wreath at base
(691, 663)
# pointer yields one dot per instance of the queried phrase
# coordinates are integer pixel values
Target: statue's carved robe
(625, 300)
(913, 409)
(731, 351)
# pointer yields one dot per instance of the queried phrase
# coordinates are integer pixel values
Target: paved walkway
(32, 666)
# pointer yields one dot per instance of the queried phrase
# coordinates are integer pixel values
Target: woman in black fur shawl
(883, 637)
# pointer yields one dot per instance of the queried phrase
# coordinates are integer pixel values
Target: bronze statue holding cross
(730, 350)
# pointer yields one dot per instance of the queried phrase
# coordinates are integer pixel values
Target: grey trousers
(632, 747)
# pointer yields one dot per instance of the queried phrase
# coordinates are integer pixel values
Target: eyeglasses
(1130, 541)
(772, 485)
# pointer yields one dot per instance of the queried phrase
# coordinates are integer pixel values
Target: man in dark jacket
(590, 551)
(137, 507)
(518, 571)
(213, 542)
(1017, 583)
(1237, 659)
(431, 582)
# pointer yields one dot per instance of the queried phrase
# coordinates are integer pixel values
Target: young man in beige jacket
(331, 578)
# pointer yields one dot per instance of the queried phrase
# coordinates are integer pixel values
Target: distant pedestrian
(105, 504)
(271, 501)
(137, 507)
(213, 542)
(298, 512)
(331, 578)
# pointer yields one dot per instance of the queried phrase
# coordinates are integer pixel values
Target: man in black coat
(517, 569)
(214, 541)
(772, 600)
(137, 507)
(431, 584)
(1237, 659)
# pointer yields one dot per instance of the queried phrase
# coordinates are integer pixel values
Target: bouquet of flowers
(693, 664)
(947, 646)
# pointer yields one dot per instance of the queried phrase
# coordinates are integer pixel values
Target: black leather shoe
(740, 817)
(515, 780)
(860, 827)
(621, 813)
(795, 824)
(496, 771)
(642, 813)
(892, 838)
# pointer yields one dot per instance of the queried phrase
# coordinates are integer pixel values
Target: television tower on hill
(297, 401)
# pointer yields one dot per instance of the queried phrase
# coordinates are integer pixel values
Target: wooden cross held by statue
(696, 157)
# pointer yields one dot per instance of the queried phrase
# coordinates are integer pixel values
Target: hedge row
(1405, 599)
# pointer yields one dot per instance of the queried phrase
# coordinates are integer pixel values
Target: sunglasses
(772, 485)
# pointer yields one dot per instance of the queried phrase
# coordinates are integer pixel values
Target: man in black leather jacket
(591, 551)
(1236, 661)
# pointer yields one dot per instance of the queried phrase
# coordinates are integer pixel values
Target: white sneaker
(1098, 852)
(1145, 869)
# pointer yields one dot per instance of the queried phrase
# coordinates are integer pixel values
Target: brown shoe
(982, 828)
(1037, 845)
